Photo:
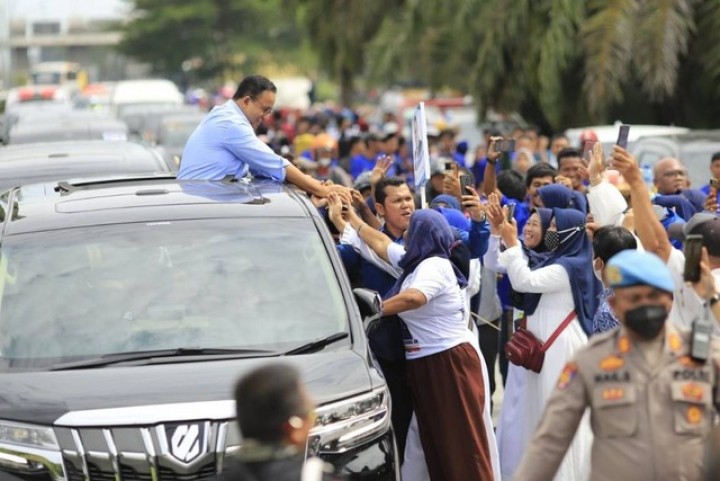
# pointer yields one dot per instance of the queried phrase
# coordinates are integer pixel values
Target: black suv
(130, 306)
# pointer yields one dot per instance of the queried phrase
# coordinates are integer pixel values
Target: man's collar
(237, 109)
(387, 232)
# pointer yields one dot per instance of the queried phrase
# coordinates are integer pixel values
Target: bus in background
(64, 74)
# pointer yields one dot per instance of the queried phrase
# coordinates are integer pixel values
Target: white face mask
(324, 161)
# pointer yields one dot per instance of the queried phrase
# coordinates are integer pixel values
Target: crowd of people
(565, 260)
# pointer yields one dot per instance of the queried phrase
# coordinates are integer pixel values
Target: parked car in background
(608, 134)
(41, 162)
(71, 125)
(694, 149)
(173, 132)
(129, 93)
(27, 111)
(144, 120)
(135, 305)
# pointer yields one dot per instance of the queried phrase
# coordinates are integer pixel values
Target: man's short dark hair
(511, 184)
(715, 156)
(266, 398)
(380, 194)
(253, 86)
(567, 153)
(609, 240)
(541, 169)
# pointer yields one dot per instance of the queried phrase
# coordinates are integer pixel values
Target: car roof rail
(68, 186)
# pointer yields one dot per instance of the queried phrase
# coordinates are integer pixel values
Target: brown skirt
(449, 398)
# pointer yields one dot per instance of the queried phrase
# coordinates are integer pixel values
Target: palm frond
(557, 47)
(606, 38)
(663, 29)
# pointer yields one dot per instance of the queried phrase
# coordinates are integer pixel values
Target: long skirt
(449, 399)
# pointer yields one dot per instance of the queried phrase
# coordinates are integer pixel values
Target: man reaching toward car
(225, 143)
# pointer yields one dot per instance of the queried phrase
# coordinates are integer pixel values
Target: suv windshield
(86, 292)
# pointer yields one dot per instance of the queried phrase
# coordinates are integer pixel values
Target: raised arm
(606, 203)
(647, 226)
(489, 178)
(376, 240)
(551, 278)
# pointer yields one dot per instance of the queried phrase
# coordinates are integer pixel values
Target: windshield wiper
(109, 359)
(317, 344)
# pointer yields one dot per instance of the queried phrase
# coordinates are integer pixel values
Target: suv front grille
(191, 451)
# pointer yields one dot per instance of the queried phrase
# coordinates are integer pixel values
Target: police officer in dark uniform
(275, 414)
(652, 405)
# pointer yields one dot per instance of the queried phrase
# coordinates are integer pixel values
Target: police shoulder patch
(567, 375)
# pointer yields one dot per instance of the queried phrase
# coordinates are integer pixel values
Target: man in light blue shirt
(225, 143)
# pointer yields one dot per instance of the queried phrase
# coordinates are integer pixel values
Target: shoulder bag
(526, 350)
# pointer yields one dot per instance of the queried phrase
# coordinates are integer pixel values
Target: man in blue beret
(652, 405)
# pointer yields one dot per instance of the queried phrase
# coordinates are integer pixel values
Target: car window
(250, 283)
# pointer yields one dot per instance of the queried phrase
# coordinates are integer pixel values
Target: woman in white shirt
(443, 367)
(557, 285)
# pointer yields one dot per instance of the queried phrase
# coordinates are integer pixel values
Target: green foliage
(561, 62)
(558, 62)
(222, 38)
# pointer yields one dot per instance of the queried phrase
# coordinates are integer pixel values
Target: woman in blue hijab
(444, 370)
(557, 195)
(558, 285)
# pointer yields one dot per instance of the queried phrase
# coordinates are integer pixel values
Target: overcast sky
(64, 9)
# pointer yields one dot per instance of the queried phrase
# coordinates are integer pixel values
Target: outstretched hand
(472, 204)
(626, 165)
(380, 170)
(495, 214)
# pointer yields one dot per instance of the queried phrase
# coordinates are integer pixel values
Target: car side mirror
(369, 302)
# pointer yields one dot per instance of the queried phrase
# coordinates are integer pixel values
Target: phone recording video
(587, 151)
(692, 248)
(465, 182)
(622, 140)
(510, 212)
(505, 145)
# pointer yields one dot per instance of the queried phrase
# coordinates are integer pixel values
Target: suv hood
(43, 397)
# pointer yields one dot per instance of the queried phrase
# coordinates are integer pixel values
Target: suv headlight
(28, 449)
(346, 424)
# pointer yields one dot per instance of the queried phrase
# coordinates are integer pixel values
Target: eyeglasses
(675, 173)
(265, 110)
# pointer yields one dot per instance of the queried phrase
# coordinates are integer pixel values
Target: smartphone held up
(692, 248)
(465, 182)
(623, 134)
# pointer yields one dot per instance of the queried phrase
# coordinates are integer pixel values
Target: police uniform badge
(567, 375)
(612, 363)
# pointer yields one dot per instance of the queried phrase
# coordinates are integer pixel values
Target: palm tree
(565, 62)
(339, 30)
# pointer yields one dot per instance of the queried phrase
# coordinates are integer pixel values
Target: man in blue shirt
(225, 143)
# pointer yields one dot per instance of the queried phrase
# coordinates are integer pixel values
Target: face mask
(552, 237)
(551, 240)
(646, 321)
(324, 161)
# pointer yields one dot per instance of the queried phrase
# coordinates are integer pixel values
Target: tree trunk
(346, 87)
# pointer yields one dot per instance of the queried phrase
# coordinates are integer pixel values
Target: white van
(133, 93)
